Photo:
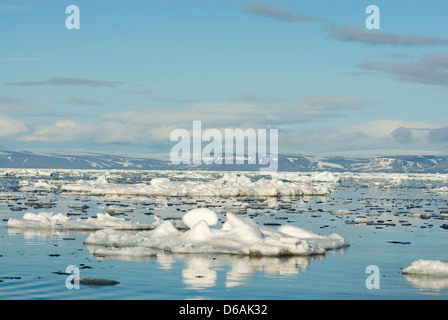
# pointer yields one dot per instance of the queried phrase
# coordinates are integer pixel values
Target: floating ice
(341, 213)
(326, 176)
(123, 253)
(32, 186)
(48, 220)
(191, 218)
(441, 189)
(427, 267)
(238, 235)
(229, 185)
(362, 220)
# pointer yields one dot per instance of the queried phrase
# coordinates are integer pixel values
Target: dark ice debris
(399, 242)
(97, 282)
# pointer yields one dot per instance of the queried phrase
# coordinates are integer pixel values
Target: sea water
(388, 221)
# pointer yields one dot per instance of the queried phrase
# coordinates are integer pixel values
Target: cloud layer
(356, 34)
(303, 126)
(66, 82)
(276, 13)
(432, 68)
(346, 34)
(81, 101)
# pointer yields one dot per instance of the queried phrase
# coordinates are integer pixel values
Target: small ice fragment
(191, 218)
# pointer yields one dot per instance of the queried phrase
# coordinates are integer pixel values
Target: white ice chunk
(40, 185)
(341, 213)
(192, 217)
(427, 267)
(326, 176)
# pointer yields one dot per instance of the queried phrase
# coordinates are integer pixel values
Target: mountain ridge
(286, 162)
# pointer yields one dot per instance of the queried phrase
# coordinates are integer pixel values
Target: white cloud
(384, 134)
(305, 125)
(384, 127)
(153, 127)
(61, 131)
(272, 112)
(11, 127)
(66, 124)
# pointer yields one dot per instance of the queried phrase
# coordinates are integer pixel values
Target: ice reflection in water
(200, 271)
(427, 284)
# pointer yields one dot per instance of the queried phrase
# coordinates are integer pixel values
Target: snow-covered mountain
(392, 164)
(286, 162)
(25, 159)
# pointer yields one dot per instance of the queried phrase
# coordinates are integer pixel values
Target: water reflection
(200, 271)
(30, 234)
(41, 236)
(427, 284)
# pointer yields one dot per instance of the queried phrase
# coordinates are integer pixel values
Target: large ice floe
(229, 185)
(237, 235)
(199, 234)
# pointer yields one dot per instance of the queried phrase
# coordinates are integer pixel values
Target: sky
(136, 70)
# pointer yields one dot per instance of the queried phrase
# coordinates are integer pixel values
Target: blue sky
(136, 70)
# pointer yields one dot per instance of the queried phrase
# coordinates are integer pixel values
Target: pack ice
(229, 185)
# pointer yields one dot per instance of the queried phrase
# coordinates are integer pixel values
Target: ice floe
(427, 267)
(326, 176)
(341, 213)
(33, 186)
(48, 220)
(238, 235)
(191, 218)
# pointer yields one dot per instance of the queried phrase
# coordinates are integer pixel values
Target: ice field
(221, 235)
